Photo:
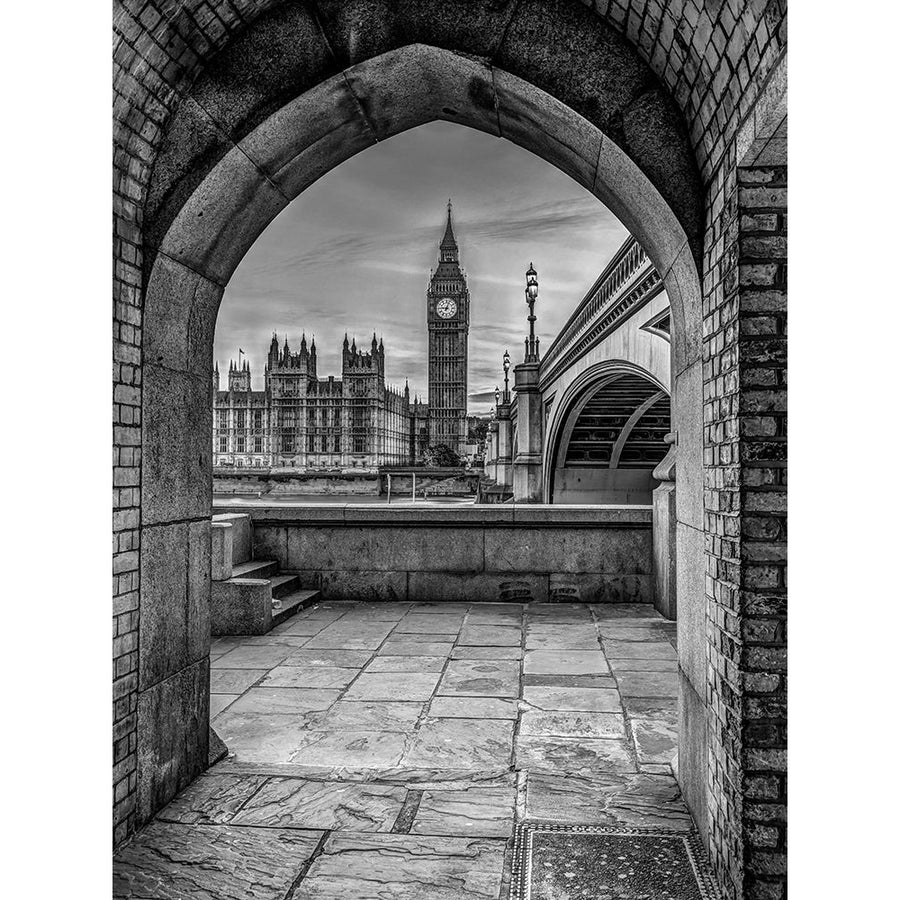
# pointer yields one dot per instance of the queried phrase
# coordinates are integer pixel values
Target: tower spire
(449, 240)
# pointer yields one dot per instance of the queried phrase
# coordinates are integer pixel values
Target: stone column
(528, 464)
(665, 533)
(490, 452)
(504, 446)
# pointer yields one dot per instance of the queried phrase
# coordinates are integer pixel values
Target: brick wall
(745, 314)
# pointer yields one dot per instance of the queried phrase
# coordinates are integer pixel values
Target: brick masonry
(714, 58)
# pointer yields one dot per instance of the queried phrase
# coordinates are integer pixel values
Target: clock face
(446, 307)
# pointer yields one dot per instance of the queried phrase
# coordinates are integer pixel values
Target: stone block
(198, 590)
(221, 539)
(625, 587)
(177, 450)
(683, 289)
(366, 586)
(350, 549)
(222, 218)
(693, 753)
(243, 537)
(480, 587)
(180, 318)
(164, 606)
(241, 606)
(687, 420)
(665, 550)
(575, 550)
(475, 26)
(692, 603)
(172, 736)
(417, 84)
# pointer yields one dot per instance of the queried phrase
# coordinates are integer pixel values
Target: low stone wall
(480, 553)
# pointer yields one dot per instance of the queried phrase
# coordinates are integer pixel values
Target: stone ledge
(452, 515)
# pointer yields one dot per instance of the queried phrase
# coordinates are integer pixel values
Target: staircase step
(282, 585)
(255, 569)
(293, 603)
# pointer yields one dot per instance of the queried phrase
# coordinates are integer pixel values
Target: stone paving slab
(405, 867)
(348, 659)
(491, 635)
(264, 656)
(636, 800)
(301, 803)
(572, 756)
(261, 737)
(341, 749)
(486, 653)
(309, 677)
(233, 681)
(571, 681)
(212, 799)
(211, 862)
(407, 664)
(647, 684)
(572, 724)
(640, 650)
(220, 702)
(473, 708)
(281, 700)
(643, 665)
(480, 678)
(655, 737)
(368, 715)
(567, 662)
(476, 811)
(393, 686)
(563, 698)
(461, 744)
(408, 647)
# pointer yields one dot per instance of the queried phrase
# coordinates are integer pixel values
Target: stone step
(255, 569)
(293, 603)
(282, 585)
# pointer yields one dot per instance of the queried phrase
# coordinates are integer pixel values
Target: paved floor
(387, 750)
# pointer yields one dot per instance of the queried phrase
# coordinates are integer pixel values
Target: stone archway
(286, 96)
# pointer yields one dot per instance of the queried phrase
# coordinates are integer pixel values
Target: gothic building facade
(357, 421)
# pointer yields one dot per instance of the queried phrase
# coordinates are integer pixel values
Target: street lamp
(496, 398)
(506, 376)
(532, 353)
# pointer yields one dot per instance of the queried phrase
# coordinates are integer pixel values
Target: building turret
(216, 380)
(239, 377)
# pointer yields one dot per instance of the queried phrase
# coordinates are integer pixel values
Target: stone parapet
(485, 552)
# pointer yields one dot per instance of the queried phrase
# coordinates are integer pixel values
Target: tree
(442, 457)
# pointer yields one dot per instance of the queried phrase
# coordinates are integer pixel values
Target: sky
(354, 251)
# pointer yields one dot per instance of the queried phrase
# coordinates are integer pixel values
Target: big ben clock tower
(448, 346)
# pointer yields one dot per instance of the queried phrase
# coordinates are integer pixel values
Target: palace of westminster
(356, 421)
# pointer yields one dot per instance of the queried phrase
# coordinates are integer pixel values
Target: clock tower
(448, 346)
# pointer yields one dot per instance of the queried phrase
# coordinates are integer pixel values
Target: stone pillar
(504, 460)
(665, 534)
(222, 546)
(528, 464)
(490, 452)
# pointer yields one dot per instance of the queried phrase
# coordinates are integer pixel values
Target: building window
(240, 444)
(257, 445)
(222, 419)
(241, 419)
(223, 445)
(257, 419)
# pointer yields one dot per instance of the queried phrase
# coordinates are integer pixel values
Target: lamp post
(506, 376)
(496, 399)
(532, 344)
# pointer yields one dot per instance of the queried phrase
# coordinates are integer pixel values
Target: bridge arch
(628, 395)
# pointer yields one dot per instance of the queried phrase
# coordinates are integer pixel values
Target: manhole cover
(583, 862)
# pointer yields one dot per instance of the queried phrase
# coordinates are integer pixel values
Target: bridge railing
(628, 282)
